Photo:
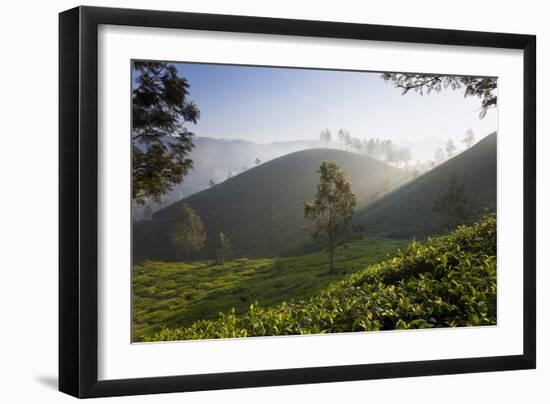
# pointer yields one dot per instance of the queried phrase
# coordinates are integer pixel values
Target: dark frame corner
(78, 362)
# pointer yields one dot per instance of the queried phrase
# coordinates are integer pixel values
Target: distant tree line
(450, 148)
(380, 149)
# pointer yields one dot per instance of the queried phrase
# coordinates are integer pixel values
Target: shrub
(449, 281)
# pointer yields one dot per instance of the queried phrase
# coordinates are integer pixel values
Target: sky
(266, 104)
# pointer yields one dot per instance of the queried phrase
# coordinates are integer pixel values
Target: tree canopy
(481, 87)
(223, 250)
(188, 231)
(469, 138)
(160, 141)
(332, 208)
(453, 204)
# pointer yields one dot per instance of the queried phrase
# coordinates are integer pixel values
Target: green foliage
(448, 281)
(261, 210)
(180, 293)
(481, 87)
(160, 142)
(188, 231)
(332, 208)
(224, 248)
(453, 204)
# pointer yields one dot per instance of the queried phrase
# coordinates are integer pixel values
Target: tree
(371, 147)
(469, 139)
(450, 148)
(342, 137)
(229, 175)
(332, 208)
(223, 250)
(347, 139)
(453, 204)
(439, 155)
(188, 231)
(160, 141)
(388, 151)
(325, 137)
(356, 143)
(481, 87)
(211, 183)
(257, 161)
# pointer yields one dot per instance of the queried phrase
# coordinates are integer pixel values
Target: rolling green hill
(261, 209)
(407, 212)
(176, 294)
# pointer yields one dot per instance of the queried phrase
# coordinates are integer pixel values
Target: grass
(407, 212)
(261, 210)
(177, 294)
(449, 281)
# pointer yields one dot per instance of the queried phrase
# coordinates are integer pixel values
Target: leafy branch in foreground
(481, 87)
(160, 141)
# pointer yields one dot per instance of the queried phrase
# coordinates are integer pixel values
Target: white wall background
(28, 174)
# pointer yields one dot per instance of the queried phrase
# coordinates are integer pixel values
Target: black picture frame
(78, 196)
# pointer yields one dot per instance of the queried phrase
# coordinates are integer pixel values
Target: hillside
(214, 158)
(176, 294)
(407, 212)
(261, 210)
(448, 281)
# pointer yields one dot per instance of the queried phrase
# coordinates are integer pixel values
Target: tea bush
(449, 281)
(176, 294)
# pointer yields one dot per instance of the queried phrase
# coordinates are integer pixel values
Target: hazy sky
(264, 104)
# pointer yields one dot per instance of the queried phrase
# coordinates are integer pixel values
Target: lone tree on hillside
(332, 208)
(469, 139)
(481, 87)
(211, 183)
(223, 250)
(257, 161)
(188, 231)
(160, 142)
(450, 148)
(453, 204)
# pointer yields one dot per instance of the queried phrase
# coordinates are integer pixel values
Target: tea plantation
(176, 294)
(449, 281)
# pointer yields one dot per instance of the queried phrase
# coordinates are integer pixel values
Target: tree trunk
(331, 253)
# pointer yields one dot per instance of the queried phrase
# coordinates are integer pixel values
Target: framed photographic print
(251, 201)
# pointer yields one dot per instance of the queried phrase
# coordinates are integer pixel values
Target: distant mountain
(261, 209)
(213, 159)
(407, 212)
